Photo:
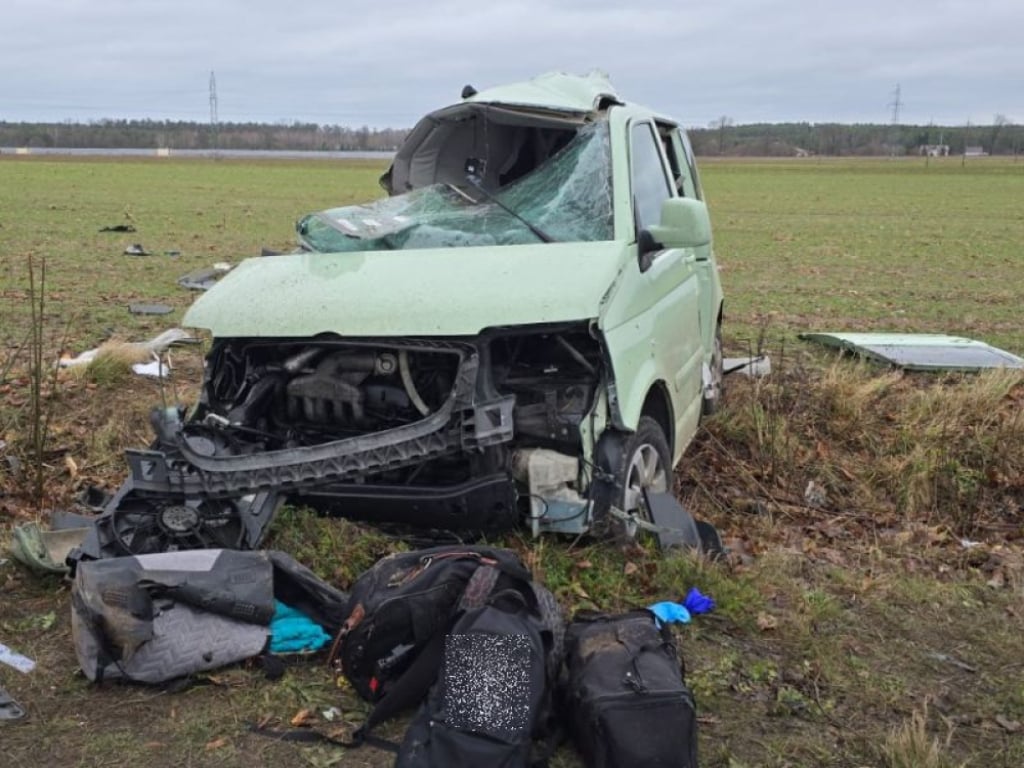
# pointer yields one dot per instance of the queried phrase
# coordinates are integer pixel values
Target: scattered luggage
(462, 633)
(627, 700)
(492, 695)
(154, 618)
(465, 629)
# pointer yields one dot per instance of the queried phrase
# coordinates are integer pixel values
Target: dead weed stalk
(43, 381)
(908, 745)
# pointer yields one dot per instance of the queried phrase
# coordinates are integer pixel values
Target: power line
(896, 105)
(213, 107)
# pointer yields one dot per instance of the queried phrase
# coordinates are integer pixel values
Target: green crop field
(874, 245)
(881, 627)
(805, 244)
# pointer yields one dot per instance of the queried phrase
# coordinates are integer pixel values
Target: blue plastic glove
(697, 603)
(669, 613)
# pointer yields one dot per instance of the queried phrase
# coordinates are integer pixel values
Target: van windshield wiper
(540, 233)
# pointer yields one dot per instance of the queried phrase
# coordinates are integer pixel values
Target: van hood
(426, 292)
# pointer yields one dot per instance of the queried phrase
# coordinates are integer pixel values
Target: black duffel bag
(628, 701)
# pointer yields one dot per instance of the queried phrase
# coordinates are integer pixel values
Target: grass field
(863, 632)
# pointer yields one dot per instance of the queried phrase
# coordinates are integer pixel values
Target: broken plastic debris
(757, 366)
(156, 368)
(136, 249)
(150, 309)
(45, 551)
(9, 708)
(203, 279)
(14, 659)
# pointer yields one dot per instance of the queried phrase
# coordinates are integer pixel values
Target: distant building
(974, 152)
(801, 152)
(934, 150)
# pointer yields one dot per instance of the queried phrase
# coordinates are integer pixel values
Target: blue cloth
(669, 613)
(292, 631)
(697, 603)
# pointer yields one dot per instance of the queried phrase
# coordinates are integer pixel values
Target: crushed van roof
(554, 90)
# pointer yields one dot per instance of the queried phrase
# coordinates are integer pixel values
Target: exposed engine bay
(417, 432)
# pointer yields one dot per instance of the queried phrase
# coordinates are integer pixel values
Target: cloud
(386, 64)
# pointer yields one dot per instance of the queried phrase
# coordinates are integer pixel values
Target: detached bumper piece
(477, 507)
(216, 480)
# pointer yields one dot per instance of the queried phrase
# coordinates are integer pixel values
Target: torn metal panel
(920, 351)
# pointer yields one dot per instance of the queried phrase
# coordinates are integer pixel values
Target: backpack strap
(478, 588)
(409, 689)
(307, 736)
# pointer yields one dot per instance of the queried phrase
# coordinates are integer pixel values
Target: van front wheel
(646, 465)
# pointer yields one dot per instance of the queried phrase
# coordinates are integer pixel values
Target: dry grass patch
(910, 745)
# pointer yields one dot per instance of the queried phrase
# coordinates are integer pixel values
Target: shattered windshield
(569, 198)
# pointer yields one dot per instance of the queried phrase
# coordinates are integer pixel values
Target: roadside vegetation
(871, 607)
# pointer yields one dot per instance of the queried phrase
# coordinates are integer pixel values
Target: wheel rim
(646, 471)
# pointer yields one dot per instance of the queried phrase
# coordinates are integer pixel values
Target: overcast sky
(386, 63)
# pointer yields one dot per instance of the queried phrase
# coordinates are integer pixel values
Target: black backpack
(392, 643)
(627, 699)
(492, 695)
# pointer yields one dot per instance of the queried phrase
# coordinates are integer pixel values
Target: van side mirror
(685, 223)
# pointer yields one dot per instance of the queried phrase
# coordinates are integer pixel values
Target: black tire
(646, 463)
(710, 404)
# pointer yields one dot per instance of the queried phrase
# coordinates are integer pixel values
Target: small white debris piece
(157, 368)
(756, 367)
(14, 659)
(814, 495)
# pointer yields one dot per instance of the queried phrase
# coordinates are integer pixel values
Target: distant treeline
(156, 134)
(721, 137)
(788, 139)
